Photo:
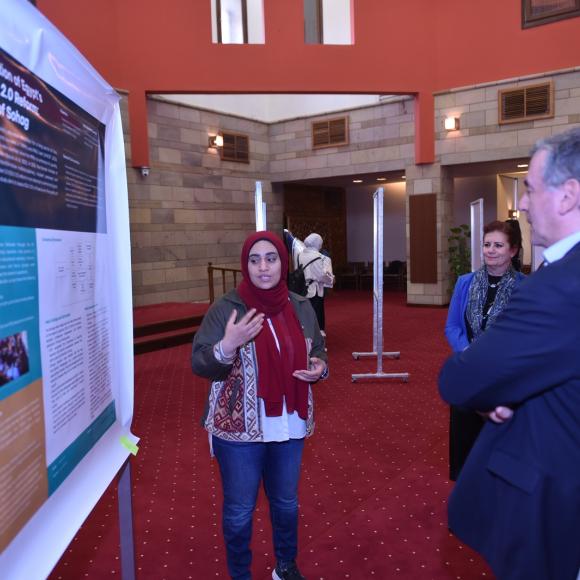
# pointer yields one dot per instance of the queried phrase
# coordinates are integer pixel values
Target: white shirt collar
(558, 250)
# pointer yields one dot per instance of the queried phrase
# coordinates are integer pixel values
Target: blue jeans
(243, 466)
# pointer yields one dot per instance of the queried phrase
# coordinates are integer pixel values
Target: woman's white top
(286, 426)
(318, 273)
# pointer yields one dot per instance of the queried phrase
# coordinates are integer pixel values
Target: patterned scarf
(478, 294)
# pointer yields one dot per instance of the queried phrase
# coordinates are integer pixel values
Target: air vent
(526, 103)
(330, 133)
(236, 148)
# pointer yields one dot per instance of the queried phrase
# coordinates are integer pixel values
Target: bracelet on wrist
(221, 356)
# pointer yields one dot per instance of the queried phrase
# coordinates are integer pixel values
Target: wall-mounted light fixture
(513, 214)
(144, 170)
(216, 141)
(451, 123)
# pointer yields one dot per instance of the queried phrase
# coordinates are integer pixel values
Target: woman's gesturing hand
(316, 368)
(238, 333)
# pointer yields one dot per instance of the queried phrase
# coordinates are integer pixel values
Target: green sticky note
(130, 446)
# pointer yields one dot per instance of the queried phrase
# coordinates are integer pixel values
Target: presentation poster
(65, 306)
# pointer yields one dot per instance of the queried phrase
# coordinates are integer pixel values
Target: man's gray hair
(563, 159)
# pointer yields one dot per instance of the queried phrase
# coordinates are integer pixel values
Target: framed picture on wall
(537, 12)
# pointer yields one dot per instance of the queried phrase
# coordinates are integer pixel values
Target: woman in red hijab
(261, 347)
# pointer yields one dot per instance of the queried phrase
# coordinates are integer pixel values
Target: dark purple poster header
(51, 156)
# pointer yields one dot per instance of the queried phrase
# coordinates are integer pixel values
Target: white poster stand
(64, 224)
(378, 198)
(260, 208)
(476, 208)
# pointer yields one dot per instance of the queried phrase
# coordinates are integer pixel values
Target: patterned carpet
(374, 482)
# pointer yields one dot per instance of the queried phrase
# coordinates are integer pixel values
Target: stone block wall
(480, 139)
(381, 138)
(421, 180)
(193, 208)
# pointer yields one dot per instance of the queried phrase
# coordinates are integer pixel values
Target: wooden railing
(210, 278)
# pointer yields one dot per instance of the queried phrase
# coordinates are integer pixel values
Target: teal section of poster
(61, 467)
(19, 336)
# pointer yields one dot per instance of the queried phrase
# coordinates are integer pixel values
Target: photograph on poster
(13, 357)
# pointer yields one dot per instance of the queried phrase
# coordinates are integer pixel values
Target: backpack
(297, 280)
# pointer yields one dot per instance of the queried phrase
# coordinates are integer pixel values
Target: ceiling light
(381, 179)
(403, 177)
(357, 180)
(522, 165)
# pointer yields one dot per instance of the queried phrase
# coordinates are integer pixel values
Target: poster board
(260, 208)
(66, 356)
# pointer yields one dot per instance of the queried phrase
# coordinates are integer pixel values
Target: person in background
(517, 501)
(478, 299)
(261, 348)
(518, 259)
(318, 274)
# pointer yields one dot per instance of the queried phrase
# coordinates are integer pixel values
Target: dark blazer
(517, 500)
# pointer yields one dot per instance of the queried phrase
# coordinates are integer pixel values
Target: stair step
(160, 340)
(167, 325)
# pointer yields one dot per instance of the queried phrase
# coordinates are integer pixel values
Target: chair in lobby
(348, 276)
(395, 274)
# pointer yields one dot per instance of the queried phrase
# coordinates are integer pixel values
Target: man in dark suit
(517, 501)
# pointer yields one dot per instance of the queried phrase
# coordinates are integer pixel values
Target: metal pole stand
(260, 208)
(378, 302)
(393, 355)
(126, 523)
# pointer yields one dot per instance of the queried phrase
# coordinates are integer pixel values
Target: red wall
(401, 46)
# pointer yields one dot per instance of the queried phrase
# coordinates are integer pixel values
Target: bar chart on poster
(65, 392)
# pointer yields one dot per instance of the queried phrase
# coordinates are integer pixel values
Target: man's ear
(570, 199)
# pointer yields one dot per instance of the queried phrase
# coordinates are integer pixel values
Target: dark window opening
(232, 21)
(236, 148)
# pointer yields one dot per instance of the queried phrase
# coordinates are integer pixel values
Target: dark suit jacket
(517, 501)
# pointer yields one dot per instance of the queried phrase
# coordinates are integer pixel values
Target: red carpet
(374, 483)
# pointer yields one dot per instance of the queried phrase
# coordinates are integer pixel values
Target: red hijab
(275, 367)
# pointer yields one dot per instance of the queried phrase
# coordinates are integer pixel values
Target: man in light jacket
(318, 274)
